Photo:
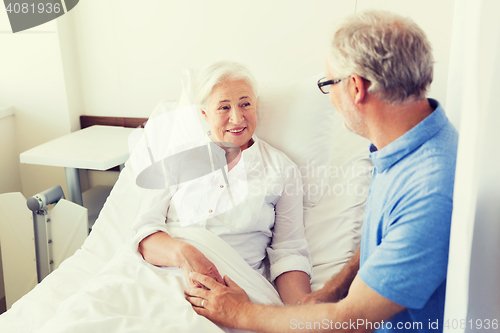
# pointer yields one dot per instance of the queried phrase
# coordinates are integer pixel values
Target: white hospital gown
(261, 210)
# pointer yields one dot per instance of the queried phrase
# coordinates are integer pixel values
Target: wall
(121, 57)
(32, 82)
(132, 53)
(473, 289)
(10, 179)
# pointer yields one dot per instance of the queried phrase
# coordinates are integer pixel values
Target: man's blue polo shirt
(406, 230)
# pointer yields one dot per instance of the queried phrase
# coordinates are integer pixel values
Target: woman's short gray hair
(209, 77)
(391, 51)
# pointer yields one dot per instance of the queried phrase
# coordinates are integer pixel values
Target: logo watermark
(327, 324)
(26, 14)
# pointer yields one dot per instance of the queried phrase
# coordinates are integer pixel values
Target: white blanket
(130, 295)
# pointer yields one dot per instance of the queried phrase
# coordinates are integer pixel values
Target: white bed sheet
(106, 287)
(108, 235)
(130, 295)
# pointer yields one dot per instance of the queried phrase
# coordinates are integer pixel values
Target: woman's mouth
(236, 131)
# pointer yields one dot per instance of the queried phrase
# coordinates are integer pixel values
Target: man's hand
(222, 305)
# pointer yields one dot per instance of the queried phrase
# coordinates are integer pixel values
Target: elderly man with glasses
(378, 70)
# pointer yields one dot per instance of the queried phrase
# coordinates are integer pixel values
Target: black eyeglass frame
(327, 83)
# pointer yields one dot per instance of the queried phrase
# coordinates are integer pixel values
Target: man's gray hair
(209, 77)
(389, 50)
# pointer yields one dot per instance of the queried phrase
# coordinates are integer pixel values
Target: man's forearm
(269, 319)
(229, 305)
(339, 285)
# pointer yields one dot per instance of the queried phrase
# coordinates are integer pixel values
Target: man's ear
(358, 88)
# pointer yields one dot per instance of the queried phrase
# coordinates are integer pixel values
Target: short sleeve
(289, 250)
(411, 261)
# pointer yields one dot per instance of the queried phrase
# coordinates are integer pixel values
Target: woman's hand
(192, 260)
(160, 249)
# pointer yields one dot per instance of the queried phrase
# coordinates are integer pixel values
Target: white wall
(32, 82)
(10, 179)
(473, 288)
(131, 55)
(121, 57)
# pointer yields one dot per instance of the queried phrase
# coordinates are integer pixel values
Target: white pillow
(299, 120)
(333, 226)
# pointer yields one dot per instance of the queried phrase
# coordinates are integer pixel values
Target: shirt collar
(247, 151)
(411, 140)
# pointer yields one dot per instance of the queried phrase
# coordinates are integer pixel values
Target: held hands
(192, 260)
(222, 305)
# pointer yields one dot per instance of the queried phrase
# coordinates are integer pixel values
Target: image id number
(479, 324)
(31, 8)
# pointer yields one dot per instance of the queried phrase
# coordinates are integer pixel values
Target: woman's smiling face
(232, 113)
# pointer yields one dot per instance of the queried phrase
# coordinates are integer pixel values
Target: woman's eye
(224, 108)
(245, 105)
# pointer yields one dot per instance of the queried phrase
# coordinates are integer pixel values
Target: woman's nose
(236, 116)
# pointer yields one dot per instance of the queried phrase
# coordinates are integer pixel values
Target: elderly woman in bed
(228, 102)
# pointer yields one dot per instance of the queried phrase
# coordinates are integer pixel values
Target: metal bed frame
(38, 205)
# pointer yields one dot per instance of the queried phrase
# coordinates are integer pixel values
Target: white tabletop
(96, 148)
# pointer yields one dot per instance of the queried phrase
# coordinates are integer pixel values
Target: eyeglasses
(324, 85)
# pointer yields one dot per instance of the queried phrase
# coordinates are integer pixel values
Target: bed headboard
(87, 121)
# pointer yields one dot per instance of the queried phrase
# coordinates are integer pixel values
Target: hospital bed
(296, 119)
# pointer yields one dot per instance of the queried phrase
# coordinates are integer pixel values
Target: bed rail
(38, 205)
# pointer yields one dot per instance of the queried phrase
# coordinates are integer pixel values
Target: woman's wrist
(182, 251)
(162, 250)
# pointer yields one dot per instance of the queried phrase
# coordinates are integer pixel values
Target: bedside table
(94, 148)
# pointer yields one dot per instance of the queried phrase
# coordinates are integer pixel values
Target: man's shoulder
(427, 172)
(437, 152)
(446, 139)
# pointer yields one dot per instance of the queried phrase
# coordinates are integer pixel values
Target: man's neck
(388, 122)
